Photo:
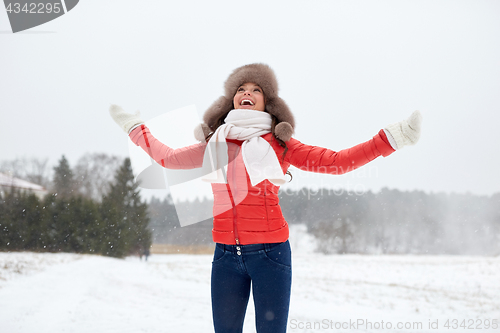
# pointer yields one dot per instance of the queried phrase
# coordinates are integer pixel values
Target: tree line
(386, 222)
(398, 222)
(85, 211)
(96, 208)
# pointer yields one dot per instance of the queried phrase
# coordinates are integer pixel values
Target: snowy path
(97, 294)
(171, 293)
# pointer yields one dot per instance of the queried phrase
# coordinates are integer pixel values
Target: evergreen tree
(125, 218)
(86, 211)
(63, 182)
(69, 225)
(4, 224)
(8, 228)
(60, 223)
(20, 215)
(30, 213)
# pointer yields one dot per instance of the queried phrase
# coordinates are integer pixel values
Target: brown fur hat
(263, 76)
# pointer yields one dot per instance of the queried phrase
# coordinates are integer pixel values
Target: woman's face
(249, 96)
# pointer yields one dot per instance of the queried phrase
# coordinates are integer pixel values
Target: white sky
(346, 69)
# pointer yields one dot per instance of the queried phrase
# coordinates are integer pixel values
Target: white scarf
(259, 157)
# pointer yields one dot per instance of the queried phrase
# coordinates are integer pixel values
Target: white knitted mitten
(125, 120)
(406, 132)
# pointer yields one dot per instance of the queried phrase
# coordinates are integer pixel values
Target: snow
(171, 293)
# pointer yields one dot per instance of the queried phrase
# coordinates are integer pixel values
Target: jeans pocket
(280, 255)
(218, 254)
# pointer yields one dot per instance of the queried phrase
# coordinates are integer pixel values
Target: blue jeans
(268, 269)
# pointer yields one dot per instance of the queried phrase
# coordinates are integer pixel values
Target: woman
(249, 230)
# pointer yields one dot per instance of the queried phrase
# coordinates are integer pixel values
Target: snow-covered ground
(171, 293)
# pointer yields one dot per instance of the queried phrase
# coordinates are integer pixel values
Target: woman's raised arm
(323, 160)
(189, 157)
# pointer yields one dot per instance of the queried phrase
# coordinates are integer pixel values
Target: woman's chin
(247, 107)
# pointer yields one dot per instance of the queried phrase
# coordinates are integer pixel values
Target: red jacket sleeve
(189, 157)
(322, 160)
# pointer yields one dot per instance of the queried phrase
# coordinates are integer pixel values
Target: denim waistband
(247, 248)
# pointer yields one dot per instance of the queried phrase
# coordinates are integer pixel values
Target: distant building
(7, 183)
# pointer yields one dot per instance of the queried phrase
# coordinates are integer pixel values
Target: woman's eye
(257, 89)
(241, 89)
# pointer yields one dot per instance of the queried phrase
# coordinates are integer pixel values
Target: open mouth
(246, 102)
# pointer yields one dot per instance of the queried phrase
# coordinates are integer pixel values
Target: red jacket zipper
(235, 228)
(265, 205)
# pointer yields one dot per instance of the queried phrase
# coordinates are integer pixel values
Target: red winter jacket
(246, 214)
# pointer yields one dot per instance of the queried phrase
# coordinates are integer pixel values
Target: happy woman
(255, 127)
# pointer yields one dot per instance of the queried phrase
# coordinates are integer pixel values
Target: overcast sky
(346, 69)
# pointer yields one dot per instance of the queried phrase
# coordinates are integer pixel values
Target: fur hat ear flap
(221, 106)
(286, 122)
(283, 131)
(201, 131)
(278, 108)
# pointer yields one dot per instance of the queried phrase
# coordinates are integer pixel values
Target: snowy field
(171, 293)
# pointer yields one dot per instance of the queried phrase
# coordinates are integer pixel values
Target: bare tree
(38, 171)
(94, 172)
(35, 170)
